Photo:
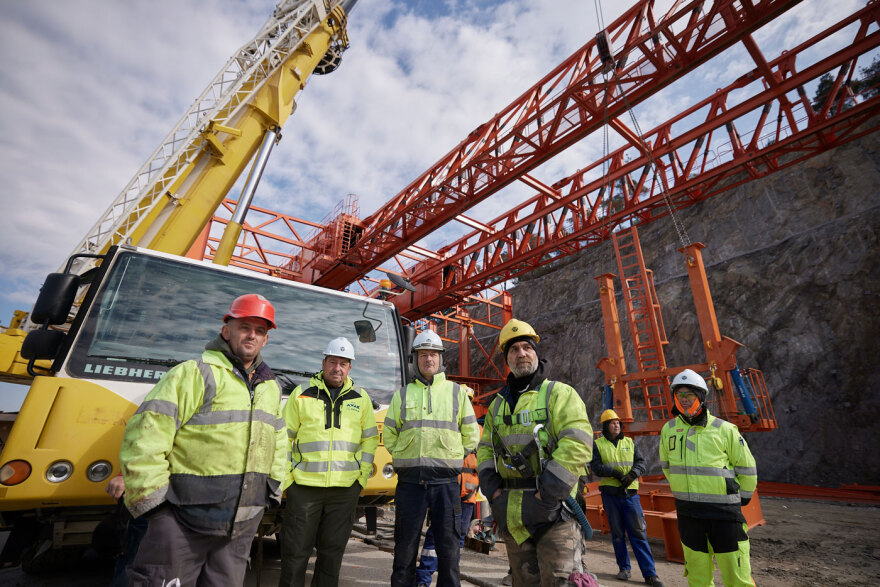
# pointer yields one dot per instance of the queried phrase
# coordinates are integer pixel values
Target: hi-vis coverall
(428, 431)
(215, 447)
(532, 528)
(711, 473)
(334, 441)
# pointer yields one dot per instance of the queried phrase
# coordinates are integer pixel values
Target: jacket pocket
(731, 485)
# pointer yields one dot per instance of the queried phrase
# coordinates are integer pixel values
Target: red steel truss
(693, 165)
(652, 50)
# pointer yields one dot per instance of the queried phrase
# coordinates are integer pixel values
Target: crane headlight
(59, 471)
(388, 471)
(99, 471)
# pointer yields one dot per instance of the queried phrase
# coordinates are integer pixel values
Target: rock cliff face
(793, 262)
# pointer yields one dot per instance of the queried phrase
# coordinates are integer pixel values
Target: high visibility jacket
(620, 458)
(333, 441)
(709, 467)
(567, 446)
(429, 429)
(209, 443)
(470, 483)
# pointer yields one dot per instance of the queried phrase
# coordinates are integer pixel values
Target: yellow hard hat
(608, 415)
(515, 329)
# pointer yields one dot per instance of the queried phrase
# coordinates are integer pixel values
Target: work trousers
(726, 540)
(412, 501)
(550, 559)
(171, 554)
(317, 518)
(134, 533)
(428, 558)
(625, 517)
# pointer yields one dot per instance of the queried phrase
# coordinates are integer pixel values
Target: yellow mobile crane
(127, 305)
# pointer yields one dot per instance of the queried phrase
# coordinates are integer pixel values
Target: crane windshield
(153, 312)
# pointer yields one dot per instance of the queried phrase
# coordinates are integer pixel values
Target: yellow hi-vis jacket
(429, 429)
(709, 467)
(209, 443)
(620, 458)
(333, 441)
(567, 445)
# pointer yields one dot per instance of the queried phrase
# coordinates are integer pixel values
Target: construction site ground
(804, 543)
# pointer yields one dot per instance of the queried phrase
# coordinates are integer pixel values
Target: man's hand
(116, 487)
(628, 479)
(617, 474)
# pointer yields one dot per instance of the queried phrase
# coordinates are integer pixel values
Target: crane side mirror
(365, 331)
(42, 344)
(56, 298)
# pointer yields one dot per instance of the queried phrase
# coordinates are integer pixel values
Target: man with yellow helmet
(618, 464)
(535, 444)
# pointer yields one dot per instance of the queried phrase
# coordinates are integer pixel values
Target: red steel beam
(546, 228)
(557, 112)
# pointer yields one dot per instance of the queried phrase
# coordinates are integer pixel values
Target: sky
(89, 88)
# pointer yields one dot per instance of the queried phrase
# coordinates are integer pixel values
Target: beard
(524, 369)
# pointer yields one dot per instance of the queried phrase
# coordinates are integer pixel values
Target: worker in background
(470, 494)
(712, 474)
(204, 455)
(333, 430)
(534, 418)
(430, 427)
(618, 464)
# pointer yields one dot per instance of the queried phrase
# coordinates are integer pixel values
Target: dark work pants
(428, 558)
(172, 551)
(317, 518)
(137, 528)
(412, 501)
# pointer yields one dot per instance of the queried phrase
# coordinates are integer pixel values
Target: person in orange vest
(470, 491)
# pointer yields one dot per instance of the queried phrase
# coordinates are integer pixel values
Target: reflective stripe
(577, 434)
(518, 439)
(484, 443)
(270, 419)
(469, 420)
(319, 445)
(390, 423)
(370, 432)
(219, 417)
(485, 465)
(210, 386)
(429, 424)
(561, 473)
(455, 388)
(367, 457)
(706, 471)
(707, 497)
(664, 464)
(428, 462)
(716, 423)
(432, 553)
(160, 406)
(746, 494)
(746, 470)
(324, 466)
(149, 502)
(471, 485)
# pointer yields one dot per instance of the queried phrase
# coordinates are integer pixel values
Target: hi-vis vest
(507, 446)
(202, 442)
(429, 429)
(620, 457)
(470, 483)
(333, 441)
(709, 468)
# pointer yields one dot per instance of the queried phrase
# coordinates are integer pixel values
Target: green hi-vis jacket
(209, 443)
(429, 429)
(334, 441)
(620, 458)
(709, 467)
(567, 448)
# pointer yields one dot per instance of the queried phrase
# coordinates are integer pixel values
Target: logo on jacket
(353, 406)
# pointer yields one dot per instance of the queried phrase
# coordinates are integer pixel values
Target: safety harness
(519, 461)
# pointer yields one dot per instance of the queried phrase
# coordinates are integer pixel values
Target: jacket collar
(438, 378)
(318, 381)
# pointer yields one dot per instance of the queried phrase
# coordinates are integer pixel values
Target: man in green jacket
(712, 474)
(429, 428)
(205, 453)
(536, 443)
(334, 434)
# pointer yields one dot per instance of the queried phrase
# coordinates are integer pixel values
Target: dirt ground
(804, 543)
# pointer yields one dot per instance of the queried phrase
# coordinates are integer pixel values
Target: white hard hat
(427, 340)
(691, 379)
(340, 347)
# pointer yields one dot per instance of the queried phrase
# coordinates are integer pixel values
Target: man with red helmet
(204, 455)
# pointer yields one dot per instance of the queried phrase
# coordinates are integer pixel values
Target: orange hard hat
(252, 306)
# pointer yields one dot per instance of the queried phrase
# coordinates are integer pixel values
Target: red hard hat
(252, 306)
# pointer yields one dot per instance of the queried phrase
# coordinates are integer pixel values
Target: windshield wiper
(145, 360)
(294, 372)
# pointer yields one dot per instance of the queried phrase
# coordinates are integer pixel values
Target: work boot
(623, 575)
(654, 581)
